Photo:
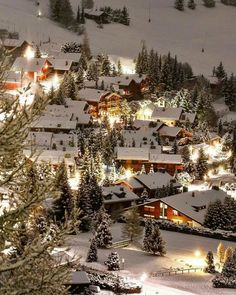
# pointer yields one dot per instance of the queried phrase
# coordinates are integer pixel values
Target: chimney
(193, 194)
(66, 63)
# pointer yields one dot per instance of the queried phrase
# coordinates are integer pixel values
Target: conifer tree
(221, 252)
(220, 72)
(82, 17)
(210, 268)
(144, 196)
(179, 4)
(63, 205)
(113, 261)
(119, 68)
(191, 4)
(78, 16)
(201, 165)
(104, 237)
(37, 53)
(228, 253)
(155, 244)
(92, 255)
(93, 72)
(229, 268)
(95, 192)
(106, 67)
(132, 229)
(229, 91)
(217, 216)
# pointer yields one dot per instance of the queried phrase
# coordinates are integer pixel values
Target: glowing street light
(197, 253)
(128, 173)
(143, 277)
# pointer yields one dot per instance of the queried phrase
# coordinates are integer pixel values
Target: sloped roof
(124, 153)
(187, 202)
(13, 42)
(28, 65)
(166, 158)
(61, 64)
(169, 131)
(89, 94)
(118, 194)
(154, 180)
(167, 113)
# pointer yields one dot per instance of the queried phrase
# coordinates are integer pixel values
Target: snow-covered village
(117, 147)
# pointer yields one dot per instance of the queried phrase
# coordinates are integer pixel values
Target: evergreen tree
(66, 16)
(83, 62)
(141, 66)
(185, 153)
(230, 208)
(175, 147)
(80, 77)
(221, 252)
(201, 165)
(179, 4)
(87, 4)
(82, 17)
(155, 244)
(229, 91)
(229, 268)
(119, 68)
(93, 72)
(104, 237)
(70, 90)
(59, 96)
(125, 20)
(191, 4)
(106, 67)
(132, 229)
(98, 167)
(95, 192)
(209, 3)
(220, 72)
(210, 268)
(63, 205)
(147, 234)
(92, 255)
(228, 253)
(113, 261)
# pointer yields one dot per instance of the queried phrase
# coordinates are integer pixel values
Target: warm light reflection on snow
(29, 53)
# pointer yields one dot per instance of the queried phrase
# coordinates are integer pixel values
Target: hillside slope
(182, 33)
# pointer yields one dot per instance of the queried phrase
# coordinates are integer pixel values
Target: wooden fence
(174, 272)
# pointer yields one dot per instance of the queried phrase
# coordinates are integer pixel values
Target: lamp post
(123, 263)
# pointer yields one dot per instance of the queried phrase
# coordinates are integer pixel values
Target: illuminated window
(175, 212)
(149, 208)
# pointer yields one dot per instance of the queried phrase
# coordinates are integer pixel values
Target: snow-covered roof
(229, 117)
(54, 157)
(132, 182)
(94, 12)
(61, 64)
(187, 203)
(165, 158)
(28, 65)
(12, 42)
(48, 122)
(123, 80)
(92, 95)
(117, 194)
(124, 153)
(40, 138)
(75, 57)
(154, 180)
(167, 113)
(169, 131)
(12, 76)
(190, 116)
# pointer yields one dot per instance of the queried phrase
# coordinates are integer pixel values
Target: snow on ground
(182, 33)
(180, 253)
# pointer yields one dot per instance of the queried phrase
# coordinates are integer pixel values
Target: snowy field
(182, 33)
(180, 253)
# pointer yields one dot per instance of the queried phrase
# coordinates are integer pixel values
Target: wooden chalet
(185, 208)
(16, 47)
(100, 17)
(110, 104)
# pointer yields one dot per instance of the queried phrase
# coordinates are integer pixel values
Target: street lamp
(123, 263)
(197, 253)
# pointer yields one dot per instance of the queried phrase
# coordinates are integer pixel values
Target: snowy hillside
(182, 33)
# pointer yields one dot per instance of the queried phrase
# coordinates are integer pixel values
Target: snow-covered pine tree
(227, 278)
(229, 91)
(30, 270)
(95, 192)
(99, 217)
(86, 46)
(191, 4)
(175, 147)
(119, 68)
(78, 15)
(125, 20)
(92, 255)
(201, 165)
(209, 3)
(70, 89)
(221, 252)
(156, 244)
(147, 233)
(37, 53)
(179, 4)
(106, 67)
(210, 268)
(230, 208)
(104, 236)
(113, 261)
(228, 253)
(71, 47)
(93, 72)
(220, 72)
(63, 204)
(141, 66)
(79, 77)
(131, 228)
